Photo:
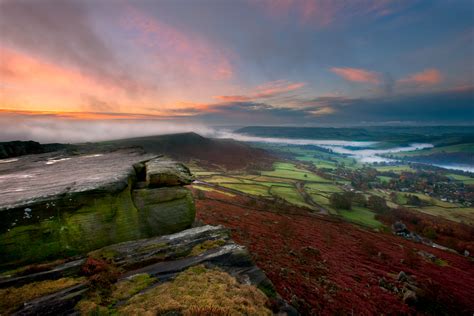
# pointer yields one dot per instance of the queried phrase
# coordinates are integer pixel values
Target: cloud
(265, 91)
(424, 78)
(61, 31)
(448, 106)
(323, 13)
(176, 51)
(357, 75)
(444, 107)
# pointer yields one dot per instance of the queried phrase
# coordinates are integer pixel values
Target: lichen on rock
(162, 172)
(86, 202)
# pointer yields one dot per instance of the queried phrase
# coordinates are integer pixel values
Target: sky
(190, 64)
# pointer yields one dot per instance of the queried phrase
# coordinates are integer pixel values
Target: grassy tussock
(12, 298)
(199, 289)
(206, 245)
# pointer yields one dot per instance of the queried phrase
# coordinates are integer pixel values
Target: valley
(332, 233)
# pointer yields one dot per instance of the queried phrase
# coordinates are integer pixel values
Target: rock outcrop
(163, 172)
(194, 270)
(56, 205)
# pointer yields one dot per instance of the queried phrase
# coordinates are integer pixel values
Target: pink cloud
(179, 52)
(426, 77)
(357, 74)
(326, 12)
(265, 91)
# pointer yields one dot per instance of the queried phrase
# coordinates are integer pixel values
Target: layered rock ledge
(196, 271)
(55, 205)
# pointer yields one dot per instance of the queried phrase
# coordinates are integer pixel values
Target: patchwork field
(298, 181)
(361, 216)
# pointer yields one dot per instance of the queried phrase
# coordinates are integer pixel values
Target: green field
(252, 189)
(464, 179)
(290, 171)
(209, 189)
(396, 169)
(281, 183)
(204, 173)
(322, 187)
(291, 195)
(384, 179)
(361, 216)
(467, 148)
(464, 214)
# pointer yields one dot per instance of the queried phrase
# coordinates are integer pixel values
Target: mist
(54, 130)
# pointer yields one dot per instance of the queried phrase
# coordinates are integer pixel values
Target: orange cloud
(84, 115)
(357, 75)
(34, 83)
(178, 52)
(325, 110)
(426, 77)
(39, 85)
(265, 91)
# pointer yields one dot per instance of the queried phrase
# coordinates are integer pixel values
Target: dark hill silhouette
(187, 146)
(20, 148)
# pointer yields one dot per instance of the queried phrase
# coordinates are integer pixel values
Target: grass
(210, 189)
(290, 171)
(206, 245)
(199, 291)
(12, 298)
(273, 179)
(396, 169)
(204, 173)
(467, 148)
(322, 187)
(401, 199)
(384, 179)
(291, 195)
(361, 216)
(252, 189)
(222, 179)
(131, 286)
(464, 179)
(463, 214)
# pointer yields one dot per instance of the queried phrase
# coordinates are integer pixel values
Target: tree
(341, 201)
(377, 204)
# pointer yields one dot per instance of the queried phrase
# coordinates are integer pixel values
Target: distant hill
(191, 146)
(20, 148)
(438, 135)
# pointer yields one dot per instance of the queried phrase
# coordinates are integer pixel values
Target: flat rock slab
(35, 178)
(161, 172)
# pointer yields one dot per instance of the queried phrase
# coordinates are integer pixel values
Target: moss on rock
(12, 298)
(165, 210)
(99, 220)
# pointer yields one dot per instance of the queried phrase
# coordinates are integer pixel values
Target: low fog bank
(54, 130)
(291, 141)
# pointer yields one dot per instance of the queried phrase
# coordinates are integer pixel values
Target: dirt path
(307, 198)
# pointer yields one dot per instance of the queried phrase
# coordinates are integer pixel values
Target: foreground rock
(163, 172)
(55, 205)
(197, 271)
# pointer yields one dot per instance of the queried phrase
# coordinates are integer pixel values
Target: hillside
(438, 135)
(20, 148)
(186, 146)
